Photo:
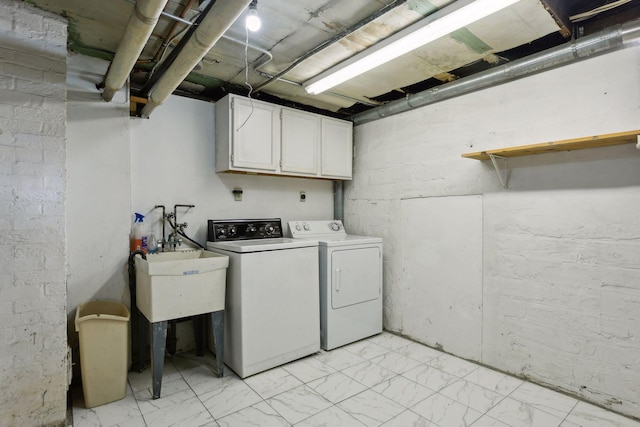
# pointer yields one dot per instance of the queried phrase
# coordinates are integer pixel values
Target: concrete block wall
(558, 292)
(33, 337)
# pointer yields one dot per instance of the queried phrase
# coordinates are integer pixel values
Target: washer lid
(261, 245)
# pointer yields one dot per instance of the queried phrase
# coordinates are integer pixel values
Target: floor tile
(403, 391)
(419, 352)
(487, 421)
(371, 408)
(233, 396)
(494, 380)
(430, 377)
(366, 349)
(586, 415)
(169, 387)
(518, 414)
(308, 369)
(298, 404)
(542, 398)
(274, 381)
(472, 395)
(202, 380)
(260, 414)
(148, 406)
(453, 365)
(566, 423)
(390, 341)
(395, 362)
(123, 412)
(180, 409)
(336, 387)
(383, 380)
(142, 380)
(332, 417)
(409, 419)
(445, 412)
(369, 373)
(339, 358)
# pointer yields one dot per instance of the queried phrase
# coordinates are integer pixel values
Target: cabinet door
(337, 143)
(255, 135)
(300, 142)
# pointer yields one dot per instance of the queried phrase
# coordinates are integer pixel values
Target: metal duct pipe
(608, 40)
(143, 20)
(338, 200)
(222, 14)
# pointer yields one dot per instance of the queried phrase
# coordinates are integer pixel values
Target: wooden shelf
(565, 145)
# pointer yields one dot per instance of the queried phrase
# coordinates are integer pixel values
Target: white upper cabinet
(258, 137)
(300, 142)
(247, 135)
(336, 153)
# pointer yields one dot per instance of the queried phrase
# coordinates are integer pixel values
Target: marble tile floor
(384, 381)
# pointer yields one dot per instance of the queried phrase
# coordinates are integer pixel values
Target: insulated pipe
(143, 20)
(608, 40)
(222, 14)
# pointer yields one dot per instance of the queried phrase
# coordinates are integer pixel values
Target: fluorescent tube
(459, 14)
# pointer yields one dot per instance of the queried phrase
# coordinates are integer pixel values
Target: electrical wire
(246, 76)
(590, 14)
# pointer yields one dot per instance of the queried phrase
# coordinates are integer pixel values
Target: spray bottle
(138, 242)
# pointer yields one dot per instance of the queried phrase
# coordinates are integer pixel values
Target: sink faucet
(174, 240)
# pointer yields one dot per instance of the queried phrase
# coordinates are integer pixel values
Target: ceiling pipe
(143, 20)
(608, 40)
(172, 31)
(219, 18)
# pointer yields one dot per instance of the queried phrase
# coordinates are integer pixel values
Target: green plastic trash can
(103, 328)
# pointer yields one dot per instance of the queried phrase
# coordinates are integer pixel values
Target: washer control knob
(251, 228)
(298, 227)
(335, 226)
(269, 230)
(232, 230)
(306, 227)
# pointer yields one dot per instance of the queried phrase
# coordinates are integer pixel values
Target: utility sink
(171, 285)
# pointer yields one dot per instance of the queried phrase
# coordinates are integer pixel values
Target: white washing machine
(272, 302)
(350, 281)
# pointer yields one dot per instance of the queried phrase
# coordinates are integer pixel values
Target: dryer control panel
(316, 228)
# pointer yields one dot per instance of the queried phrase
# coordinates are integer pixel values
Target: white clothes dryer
(350, 281)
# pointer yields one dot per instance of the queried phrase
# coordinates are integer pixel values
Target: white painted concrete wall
(173, 162)
(119, 165)
(33, 341)
(450, 241)
(99, 186)
(560, 257)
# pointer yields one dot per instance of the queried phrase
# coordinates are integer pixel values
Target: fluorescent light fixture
(451, 18)
(253, 20)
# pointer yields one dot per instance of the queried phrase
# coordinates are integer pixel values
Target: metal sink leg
(158, 345)
(217, 326)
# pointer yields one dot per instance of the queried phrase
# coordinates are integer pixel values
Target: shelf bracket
(503, 173)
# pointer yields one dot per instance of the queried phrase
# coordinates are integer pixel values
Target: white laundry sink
(171, 285)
